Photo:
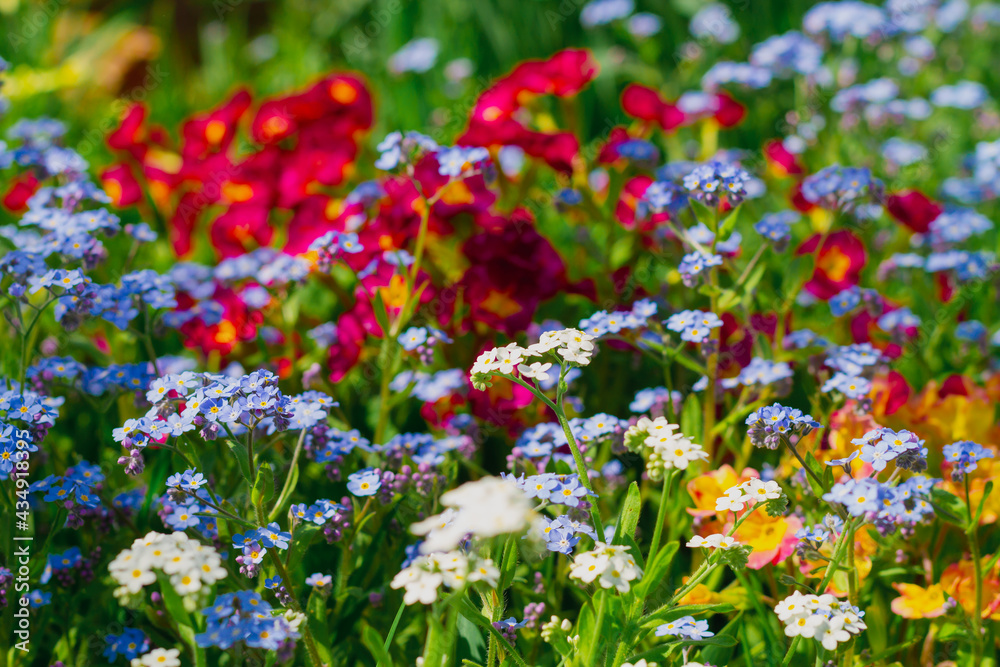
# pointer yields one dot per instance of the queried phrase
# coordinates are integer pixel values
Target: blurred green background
(79, 61)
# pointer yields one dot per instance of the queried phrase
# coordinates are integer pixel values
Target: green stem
(283, 573)
(591, 658)
(288, 487)
(977, 568)
(661, 514)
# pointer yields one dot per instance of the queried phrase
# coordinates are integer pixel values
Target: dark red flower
(913, 209)
(781, 160)
(838, 262)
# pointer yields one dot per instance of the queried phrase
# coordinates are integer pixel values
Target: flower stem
(310, 643)
(977, 569)
(661, 514)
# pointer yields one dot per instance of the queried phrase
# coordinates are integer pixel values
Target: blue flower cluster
(685, 627)
(837, 187)
(556, 489)
(881, 445)
(654, 398)
(563, 533)
(693, 325)
(965, 456)
(770, 423)
(602, 322)
(890, 506)
(216, 403)
(430, 387)
(712, 181)
(547, 438)
(244, 616)
(695, 265)
(130, 644)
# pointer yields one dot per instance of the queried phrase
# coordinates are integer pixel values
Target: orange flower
(704, 489)
(702, 594)
(772, 538)
(958, 580)
(918, 602)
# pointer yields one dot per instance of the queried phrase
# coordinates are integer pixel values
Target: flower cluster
(662, 446)
(453, 569)
(609, 565)
(245, 617)
(769, 424)
(189, 565)
(568, 346)
(821, 617)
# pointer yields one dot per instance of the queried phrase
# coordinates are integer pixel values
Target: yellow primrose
(917, 602)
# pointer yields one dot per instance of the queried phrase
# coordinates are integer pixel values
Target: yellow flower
(771, 537)
(918, 602)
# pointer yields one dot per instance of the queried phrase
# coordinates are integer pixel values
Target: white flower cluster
(189, 564)
(454, 569)
(571, 346)
(641, 663)
(611, 563)
(661, 446)
(716, 541)
(820, 617)
(485, 508)
(159, 657)
(747, 493)
(555, 630)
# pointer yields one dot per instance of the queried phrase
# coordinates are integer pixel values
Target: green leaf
(777, 506)
(727, 299)
(242, 459)
(656, 573)
(692, 424)
(175, 607)
(301, 539)
(949, 507)
(628, 518)
(709, 290)
(729, 223)
(735, 557)
(635, 551)
(472, 638)
(979, 511)
(373, 642)
(381, 314)
(263, 488)
(817, 470)
(508, 564)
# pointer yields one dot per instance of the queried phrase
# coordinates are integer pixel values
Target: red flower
(913, 209)
(513, 270)
(838, 263)
(730, 112)
(492, 121)
(121, 185)
(129, 136)
(241, 229)
(646, 104)
(20, 191)
(215, 130)
(783, 161)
